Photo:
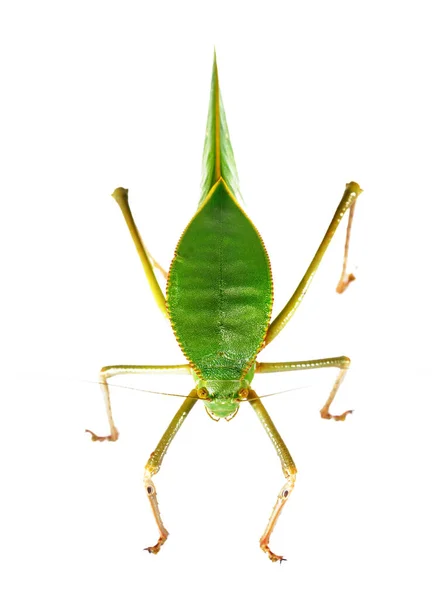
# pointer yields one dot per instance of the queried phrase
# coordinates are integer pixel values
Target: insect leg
(149, 264)
(348, 201)
(112, 371)
(154, 463)
(340, 362)
(155, 264)
(346, 278)
(289, 470)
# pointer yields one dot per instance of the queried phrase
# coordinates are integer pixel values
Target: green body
(219, 301)
(219, 289)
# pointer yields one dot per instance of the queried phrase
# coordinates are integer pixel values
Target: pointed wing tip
(215, 66)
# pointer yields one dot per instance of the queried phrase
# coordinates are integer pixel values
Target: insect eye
(202, 393)
(243, 393)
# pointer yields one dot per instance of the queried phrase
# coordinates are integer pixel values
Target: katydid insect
(219, 300)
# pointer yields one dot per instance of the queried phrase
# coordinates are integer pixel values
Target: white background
(97, 95)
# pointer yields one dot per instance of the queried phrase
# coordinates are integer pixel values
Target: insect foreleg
(340, 362)
(112, 371)
(154, 463)
(347, 202)
(289, 470)
(148, 262)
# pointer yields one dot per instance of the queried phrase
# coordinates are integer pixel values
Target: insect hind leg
(149, 263)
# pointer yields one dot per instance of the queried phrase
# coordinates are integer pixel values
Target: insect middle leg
(112, 371)
(289, 470)
(154, 464)
(340, 362)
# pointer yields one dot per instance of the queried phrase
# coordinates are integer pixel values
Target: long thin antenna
(144, 391)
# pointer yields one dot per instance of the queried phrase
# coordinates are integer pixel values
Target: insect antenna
(121, 386)
(73, 380)
(280, 392)
(294, 389)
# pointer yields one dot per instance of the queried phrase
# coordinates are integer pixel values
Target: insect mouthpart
(222, 408)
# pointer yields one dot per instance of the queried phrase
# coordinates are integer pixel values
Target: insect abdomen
(219, 291)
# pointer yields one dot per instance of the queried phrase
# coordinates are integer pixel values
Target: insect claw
(343, 284)
(343, 416)
(157, 547)
(327, 415)
(273, 557)
(98, 438)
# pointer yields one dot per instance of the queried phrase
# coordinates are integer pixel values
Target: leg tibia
(324, 413)
(154, 464)
(289, 470)
(282, 498)
(151, 494)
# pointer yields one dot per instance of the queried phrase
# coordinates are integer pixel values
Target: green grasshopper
(219, 300)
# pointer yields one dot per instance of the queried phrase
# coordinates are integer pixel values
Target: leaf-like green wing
(218, 159)
(219, 289)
